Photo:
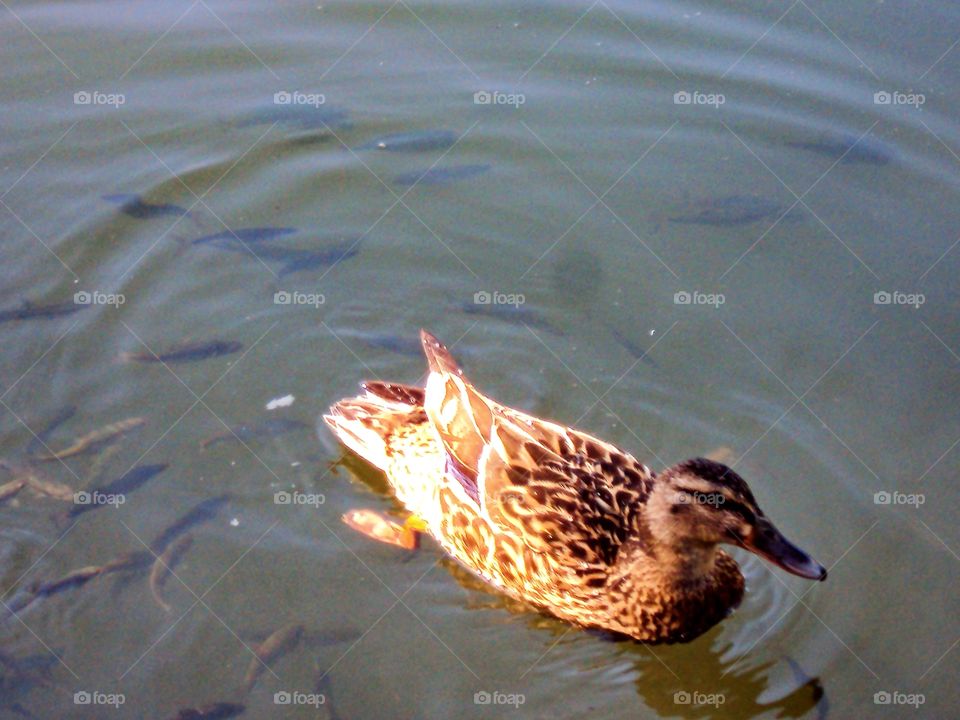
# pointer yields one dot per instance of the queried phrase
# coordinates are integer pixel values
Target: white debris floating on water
(285, 401)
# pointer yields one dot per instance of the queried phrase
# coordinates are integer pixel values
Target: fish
(19, 601)
(164, 564)
(29, 311)
(632, 347)
(305, 117)
(316, 260)
(416, 141)
(186, 352)
(135, 206)
(278, 643)
(323, 638)
(865, 150)
(734, 210)
(270, 427)
(94, 439)
(9, 489)
(40, 439)
(134, 560)
(126, 483)
(246, 235)
(203, 511)
(512, 313)
(49, 488)
(73, 579)
(311, 137)
(297, 259)
(440, 175)
(213, 711)
(402, 344)
(722, 454)
(101, 461)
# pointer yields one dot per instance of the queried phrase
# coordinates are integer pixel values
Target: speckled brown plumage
(553, 516)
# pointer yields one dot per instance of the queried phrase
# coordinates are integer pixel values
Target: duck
(552, 516)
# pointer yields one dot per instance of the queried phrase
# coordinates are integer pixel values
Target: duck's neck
(677, 594)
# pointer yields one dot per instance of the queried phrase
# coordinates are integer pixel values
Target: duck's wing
(562, 492)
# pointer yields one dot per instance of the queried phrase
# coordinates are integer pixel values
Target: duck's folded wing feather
(561, 491)
(556, 505)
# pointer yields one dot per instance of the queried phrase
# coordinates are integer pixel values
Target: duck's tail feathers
(365, 423)
(439, 358)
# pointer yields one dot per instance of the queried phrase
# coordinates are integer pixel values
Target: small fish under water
(271, 427)
(303, 116)
(204, 511)
(40, 438)
(9, 489)
(848, 149)
(298, 259)
(94, 439)
(73, 579)
(441, 175)
(49, 488)
(314, 260)
(135, 560)
(734, 210)
(633, 348)
(105, 495)
(402, 344)
(164, 564)
(279, 643)
(213, 711)
(186, 352)
(246, 235)
(512, 313)
(135, 206)
(416, 141)
(29, 311)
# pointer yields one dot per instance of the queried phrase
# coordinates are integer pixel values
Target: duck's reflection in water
(701, 679)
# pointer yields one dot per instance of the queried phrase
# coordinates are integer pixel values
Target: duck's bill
(769, 543)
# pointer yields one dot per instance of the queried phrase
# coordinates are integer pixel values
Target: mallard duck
(555, 517)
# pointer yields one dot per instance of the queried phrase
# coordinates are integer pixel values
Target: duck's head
(699, 504)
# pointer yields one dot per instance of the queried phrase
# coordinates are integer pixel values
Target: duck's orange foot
(378, 527)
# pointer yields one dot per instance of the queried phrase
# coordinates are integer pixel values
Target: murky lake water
(727, 187)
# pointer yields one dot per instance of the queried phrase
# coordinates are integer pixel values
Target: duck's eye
(740, 510)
